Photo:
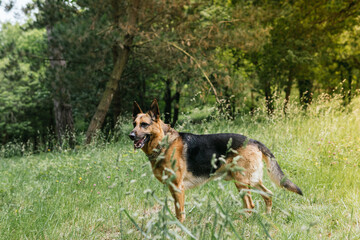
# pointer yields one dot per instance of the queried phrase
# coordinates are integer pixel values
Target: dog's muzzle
(139, 142)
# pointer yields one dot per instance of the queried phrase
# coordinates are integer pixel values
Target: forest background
(75, 67)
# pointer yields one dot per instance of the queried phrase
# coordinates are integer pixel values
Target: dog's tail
(275, 172)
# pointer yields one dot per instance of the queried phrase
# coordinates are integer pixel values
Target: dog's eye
(144, 124)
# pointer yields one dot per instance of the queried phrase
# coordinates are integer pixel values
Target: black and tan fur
(192, 159)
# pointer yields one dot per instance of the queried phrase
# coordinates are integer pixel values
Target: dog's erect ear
(154, 110)
(136, 110)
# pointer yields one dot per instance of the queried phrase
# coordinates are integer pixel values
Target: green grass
(107, 191)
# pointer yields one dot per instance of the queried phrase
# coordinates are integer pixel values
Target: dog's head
(147, 126)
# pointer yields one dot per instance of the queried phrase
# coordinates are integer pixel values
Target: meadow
(107, 190)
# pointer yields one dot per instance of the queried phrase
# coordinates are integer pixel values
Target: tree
(51, 15)
(298, 36)
(24, 110)
(339, 64)
(138, 20)
(119, 66)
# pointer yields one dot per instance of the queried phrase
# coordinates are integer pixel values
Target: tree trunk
(342, 81)
(116, 51)
(168, 101)
(116, 105)
(119, 66)
(305, 91)
(176, 107)
(111, 86)
(349, 83)
(64, 123)
(269, 98)
(142, 94)
(117, 96)
(288, 90)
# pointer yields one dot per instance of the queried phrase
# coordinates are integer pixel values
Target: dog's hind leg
(247, 200)
(242, 183)
(251, 162)
(267, 196)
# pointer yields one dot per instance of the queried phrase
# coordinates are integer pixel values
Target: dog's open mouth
(140, 143)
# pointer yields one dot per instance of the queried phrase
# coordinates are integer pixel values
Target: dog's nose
(132, 136)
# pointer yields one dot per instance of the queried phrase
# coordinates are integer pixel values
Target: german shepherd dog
(189, 160)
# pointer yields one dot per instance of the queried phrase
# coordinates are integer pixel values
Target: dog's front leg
(178, 193)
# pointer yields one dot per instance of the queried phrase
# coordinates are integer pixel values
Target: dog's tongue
(139, 143)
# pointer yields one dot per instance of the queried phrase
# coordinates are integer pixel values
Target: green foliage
(250, 51)
(25, 110)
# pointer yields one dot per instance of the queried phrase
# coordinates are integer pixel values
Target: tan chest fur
(171, 163)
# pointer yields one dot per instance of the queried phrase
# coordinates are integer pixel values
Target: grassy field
(107, 191)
